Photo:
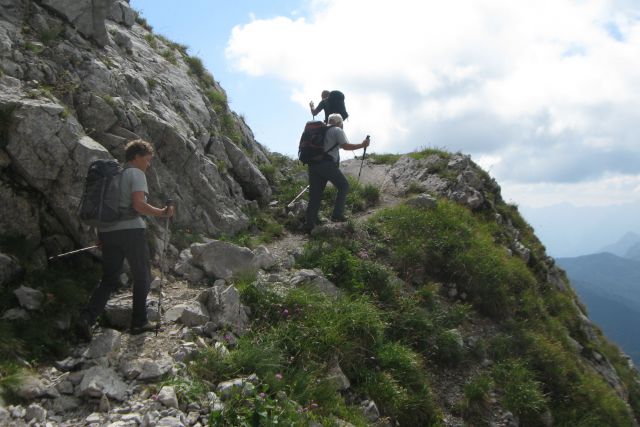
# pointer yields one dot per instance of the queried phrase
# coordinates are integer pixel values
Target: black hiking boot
(147, 327)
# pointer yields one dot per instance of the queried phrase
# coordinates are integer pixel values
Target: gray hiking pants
(319, 175)
(130, 244)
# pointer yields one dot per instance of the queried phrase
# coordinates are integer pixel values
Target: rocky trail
(117, 378)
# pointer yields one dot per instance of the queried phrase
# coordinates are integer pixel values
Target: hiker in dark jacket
(127, 239)
(328, 170)
(332, 102)
(323, 105)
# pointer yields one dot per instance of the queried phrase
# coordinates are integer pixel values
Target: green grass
(459, 249)
(52, 34)
(431, 151)
(383, 159)
(521, 392)
(151, 40)
(170, 56)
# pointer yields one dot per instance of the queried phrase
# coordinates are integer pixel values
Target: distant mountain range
(608, 283)
(568, 231)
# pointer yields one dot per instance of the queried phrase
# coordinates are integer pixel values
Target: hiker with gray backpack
(320, 149)
(114, 201)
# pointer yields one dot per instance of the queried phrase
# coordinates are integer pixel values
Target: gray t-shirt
(133, 179)
(335, 136)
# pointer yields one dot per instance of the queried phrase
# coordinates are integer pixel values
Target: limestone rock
(87, 16)
(189, 314)
(29, 298)
(316, 280)
(99, 380)
(154, 370)
(264, 259)
(423, 201)
(30, 388)
(370, 410)
(225, 309)
(107, 343)
(223, 260)
(337, 378)
(36, 413)
(15, 314)
(167, 396)
(226, 389)
(122, 13)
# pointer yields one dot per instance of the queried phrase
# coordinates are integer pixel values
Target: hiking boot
(83, 329)
(147, 327)
(340, 218)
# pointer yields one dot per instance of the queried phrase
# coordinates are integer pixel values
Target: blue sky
(544, 95)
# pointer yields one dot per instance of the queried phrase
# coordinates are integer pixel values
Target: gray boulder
(315, 279)
(264, 259)
(254, 184)
(122, 13)
(189, 314)
(87, 16)
(167, 396)
(225, 309)
(223, 260)
(30, 388)
(36, 413)
(16, 314)
(118, 312)
(98, 381)
(147, 369)
(337, 378)
(423, 201)
(29, 298)
(105, 344)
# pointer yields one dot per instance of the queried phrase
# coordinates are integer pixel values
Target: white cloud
(550, 88)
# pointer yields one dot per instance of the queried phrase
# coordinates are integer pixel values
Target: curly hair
(137, 147)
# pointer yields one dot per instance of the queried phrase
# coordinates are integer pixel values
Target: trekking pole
(73, 252)
(163, 257)
(362, 163)
(298, 196)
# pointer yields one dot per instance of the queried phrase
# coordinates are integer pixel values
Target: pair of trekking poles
(163, 256)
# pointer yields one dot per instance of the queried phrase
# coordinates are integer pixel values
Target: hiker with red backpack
(332, 102)
(324, 168)
(124, 238)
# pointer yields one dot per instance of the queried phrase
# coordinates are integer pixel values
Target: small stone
(336, 377)
(94, 418)
(370, 410)
(15, 314)
(156, 284)
(104, 406)
(17, 411)
(35, 412)
(167, 397)
(29, 298)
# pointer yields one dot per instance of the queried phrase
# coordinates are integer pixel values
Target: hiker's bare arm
(352, 147)
(317, 110)
(144, 208)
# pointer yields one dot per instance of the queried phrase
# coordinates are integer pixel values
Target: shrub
(195, 65)
(426, 152)
(453, 246)
(170, 56)
(521, 392)
(383, 159)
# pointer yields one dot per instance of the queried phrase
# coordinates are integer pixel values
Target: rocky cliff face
(78, 79)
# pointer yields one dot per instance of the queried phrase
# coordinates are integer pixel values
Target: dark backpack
(100, 203)
(311, 147)
(336, 104)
